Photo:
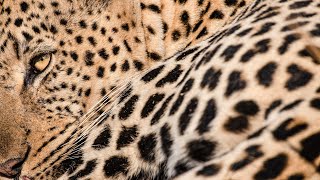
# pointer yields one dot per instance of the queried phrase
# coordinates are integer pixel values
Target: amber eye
(40, 62)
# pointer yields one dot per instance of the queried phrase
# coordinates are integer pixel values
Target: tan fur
(43, 114)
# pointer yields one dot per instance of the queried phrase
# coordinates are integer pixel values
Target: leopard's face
(40, 94)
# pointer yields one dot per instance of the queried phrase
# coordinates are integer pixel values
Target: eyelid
(36, 57)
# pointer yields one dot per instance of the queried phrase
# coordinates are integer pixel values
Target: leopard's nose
(11, 168)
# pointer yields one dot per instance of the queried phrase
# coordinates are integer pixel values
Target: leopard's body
(160, 89)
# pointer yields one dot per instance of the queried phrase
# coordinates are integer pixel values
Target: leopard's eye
(40, 63)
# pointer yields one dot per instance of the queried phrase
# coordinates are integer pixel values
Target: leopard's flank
(159, 89)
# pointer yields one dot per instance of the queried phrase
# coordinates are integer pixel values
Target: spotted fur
(183, 89)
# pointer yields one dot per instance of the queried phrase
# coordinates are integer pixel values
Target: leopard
(159, 89)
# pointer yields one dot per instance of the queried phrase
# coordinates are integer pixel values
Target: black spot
(231, 2)
(128, 108)
(232, 30)
(182, 167)
(291, 105)
(300, 4)
(235, 83)
(287, 129)
(36, 29)
(18, 22)
(230, 51)
(165, 28)
(186, 88)
(184, 17)
(207, 56)
(154, 8)
(64, 166)
(293, 26)
(257, 133)
(315, 103)
(182, 1)
(63, 22)
(102, 53)
(27, 36)
(209, 170)
(201, 150)
(299, 77)
(152, 74)
(100, 72)
(166, 139)
(297, 176)
(150, 104)
(24, 6)
(155, 119)
(103, 31)
(184, 54)
(41, 6)
(113, 67)
(147, 145)
(271, 13)
(244, 32)
(288, 40)
(272, 167)
(176, 35)
(310, 147)
(211, 79)
(237, 124)
(127, 46)
(74, 56)
(116, 165)
(86, 78)
(253, 153)
(186, 116)
(7, 10)
(83, 24)
(171, 77)
(125, 26)
(126, 93)
(316, 31)
(89, 168)
(138, 65)
(151, 30)
(197, 25)
(265, 74)
(69, 71)
(264, 29)
(89, 58)
(53, 29)
(115, 50)
(79, 39)
(272, 106)
(127, 136)
(202, 33)
(92, 41)
(125, 66)
(248, 107)
(44, 27)
(103, 92)
(102, 140)
(208, 115)
(94, 26)
(154, 56)
(261, 46)
(115, 30)
(216, 14)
